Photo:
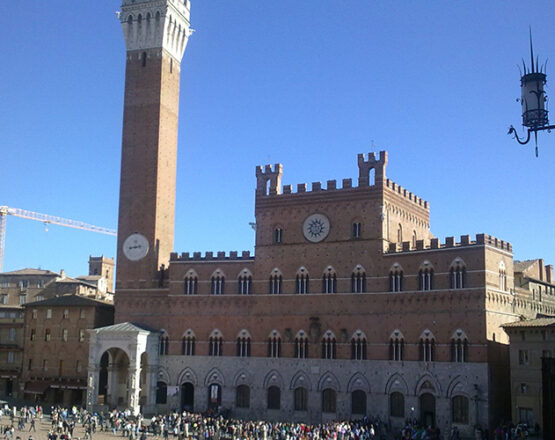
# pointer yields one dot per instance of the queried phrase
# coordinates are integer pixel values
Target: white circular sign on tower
(135, 247)
(316, 227)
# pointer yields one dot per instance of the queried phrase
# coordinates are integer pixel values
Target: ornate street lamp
(533, 100)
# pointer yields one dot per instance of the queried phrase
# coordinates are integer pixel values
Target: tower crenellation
(149, 24)
(268, 180)
(368, 163)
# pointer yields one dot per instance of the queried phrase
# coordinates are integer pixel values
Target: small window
(33, 335)
(22, 299)
(35, 313)
(4, 299)
(49, 314)
(278, 235)
(243, 346)
(523, 388)
(357, 229)
(81, 335)
(301, 399)
(243, 396)
(188, 345)
(78, 366)
(47, 335)
(11, 357)
(82, 314)
(12, 334)
(30, 364)
(40, 297)
(523, 357)
(44, 365)
(143, 59)
(64, 334)
(217, 284)
(65, 314)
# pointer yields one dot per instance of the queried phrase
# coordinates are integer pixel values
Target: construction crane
(46, 219)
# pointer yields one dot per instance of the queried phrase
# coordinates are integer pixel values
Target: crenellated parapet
(398, 189)
(153, 24)
(450, 242)
(268, 180)
(210, 256)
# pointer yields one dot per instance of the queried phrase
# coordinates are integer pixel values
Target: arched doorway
(358, 402)
(214, 396)
(103, 379)
(187, 396)
(427, 410)
(117, 378)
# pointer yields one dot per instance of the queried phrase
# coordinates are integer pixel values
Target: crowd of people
(213, 426)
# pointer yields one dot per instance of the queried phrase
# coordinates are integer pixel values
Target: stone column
(151, 382)
(134, 389)
(111, 386)
(92, 387)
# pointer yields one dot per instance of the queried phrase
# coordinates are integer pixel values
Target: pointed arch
(273, 378)
(427, 346)
(274, 344)
(190, 282)
(214, 376)
(329, 345)
(457, 387)
(427, 384)
(301, 345)
(244, 282)
(162, 375)
(302, 281)
(396, 278)
(396, 383)
(164, 343)
(244, 343)
(396, 346)
(358, 345)
(217, 282)
(358, 279)
(276, 280)
(358, 382)
(457, 274)
(329, 280)
(459, 346)
(502, 276)
(301, 379)
(188, 342)
(215, 343)
(328, 380)
(243, 377)
(187, 375)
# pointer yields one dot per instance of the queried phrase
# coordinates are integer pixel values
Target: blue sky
(306, 83)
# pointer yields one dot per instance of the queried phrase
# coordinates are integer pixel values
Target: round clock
(316, 227)
(135, 247)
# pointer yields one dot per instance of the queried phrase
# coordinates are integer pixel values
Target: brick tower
(156, 34)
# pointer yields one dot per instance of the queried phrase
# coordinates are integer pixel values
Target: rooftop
(538, 322)
(69, 300)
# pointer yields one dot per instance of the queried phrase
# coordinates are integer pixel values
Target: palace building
(349, 307)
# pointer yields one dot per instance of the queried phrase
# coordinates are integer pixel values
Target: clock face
(316, 227)
(135, 247)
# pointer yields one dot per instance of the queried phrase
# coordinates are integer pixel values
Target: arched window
(130, 19)
(426, 277)
(457, 275)
(460, 409)
(396, 279)
(358, 280)
(459, 346)
(161, 393)
(139, 18)
(397, 405)
(164, 344)
(358, 346)
(188, 343)
(274, 345)
(329, 346)
(301, 399)
(329, 400)
(191, 283)
(301, 281)
(274, 397)
(502, 277)
(399, 233)
(143, 59)
(244, 344)
(217, 283)
(215, 342)
(278, 235)
(244, 283)
(396, 346)
(358, 402)
(427, 346)
(329, 281)
(301, 345)
(275, 282)
(157, 15)
(243, 396)
(357, 229)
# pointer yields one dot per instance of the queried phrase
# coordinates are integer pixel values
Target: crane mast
(46, 219)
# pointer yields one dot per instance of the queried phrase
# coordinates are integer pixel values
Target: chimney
(62, 274)
(540, 262)
(549, 273)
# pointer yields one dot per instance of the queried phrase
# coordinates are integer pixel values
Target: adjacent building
(56, 348)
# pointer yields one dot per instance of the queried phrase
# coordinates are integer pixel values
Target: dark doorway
(103, 378)
(187, 396)
(358, 402)
(214, 396)
(428, 410)
(9, 387)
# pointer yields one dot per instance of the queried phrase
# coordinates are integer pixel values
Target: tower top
(156, 24)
